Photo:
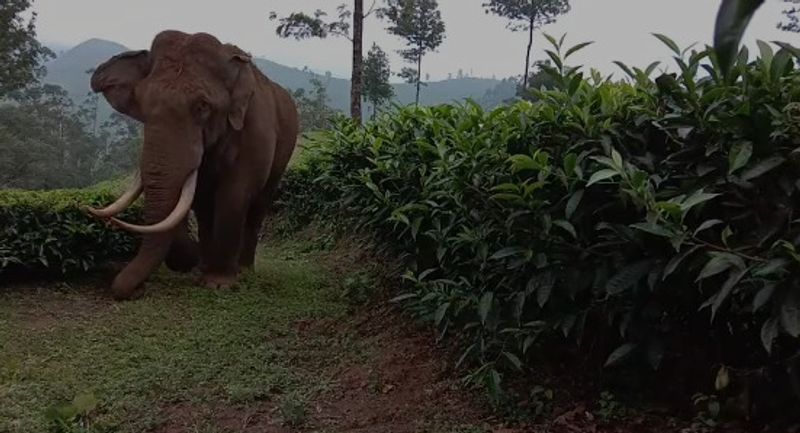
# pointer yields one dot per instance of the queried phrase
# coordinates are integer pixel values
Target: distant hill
(69, 70)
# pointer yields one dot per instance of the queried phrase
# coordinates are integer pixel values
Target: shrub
(49, 230)
(647, 218)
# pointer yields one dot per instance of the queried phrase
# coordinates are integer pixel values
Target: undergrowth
(650, 223)
(50, 231)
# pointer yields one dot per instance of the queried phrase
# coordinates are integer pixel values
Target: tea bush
(49, 231)
(645, 218)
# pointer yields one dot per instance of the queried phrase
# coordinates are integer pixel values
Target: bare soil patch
(403, 386)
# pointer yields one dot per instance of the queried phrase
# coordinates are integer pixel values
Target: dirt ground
(283, 353)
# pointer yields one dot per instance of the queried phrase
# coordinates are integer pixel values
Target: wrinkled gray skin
(205, 107)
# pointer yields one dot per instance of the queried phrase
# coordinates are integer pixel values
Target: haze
(476, 43)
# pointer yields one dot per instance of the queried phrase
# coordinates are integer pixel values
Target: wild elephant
(218, 135)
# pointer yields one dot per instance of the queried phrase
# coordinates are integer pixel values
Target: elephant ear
(117, 79)
(243, 87)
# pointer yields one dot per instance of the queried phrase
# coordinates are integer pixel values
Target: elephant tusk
(122, 203)
(174, 218)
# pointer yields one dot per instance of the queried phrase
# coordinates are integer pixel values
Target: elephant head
(190, 91)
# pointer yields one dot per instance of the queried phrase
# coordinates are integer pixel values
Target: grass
(180, 345)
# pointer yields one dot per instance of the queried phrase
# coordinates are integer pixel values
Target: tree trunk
(528, 54)
(358, 60)
(419, 75)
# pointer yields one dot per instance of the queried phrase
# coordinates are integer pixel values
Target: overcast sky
(475, 42)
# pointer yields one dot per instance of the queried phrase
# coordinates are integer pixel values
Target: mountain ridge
(70, 70)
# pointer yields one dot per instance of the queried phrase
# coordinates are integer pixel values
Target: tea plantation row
(649, 223)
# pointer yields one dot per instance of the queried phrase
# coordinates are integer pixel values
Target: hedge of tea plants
(49, 232)
(650, 219)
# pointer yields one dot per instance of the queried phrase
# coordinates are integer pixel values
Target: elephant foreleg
(255, 221)
(183, 255)
(252, 229)
(205, 233)
(230, 216)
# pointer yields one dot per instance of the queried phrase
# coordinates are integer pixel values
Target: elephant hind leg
(183, 254)
(252, 230)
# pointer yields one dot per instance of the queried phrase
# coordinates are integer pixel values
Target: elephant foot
(127, 293)
(217, 281)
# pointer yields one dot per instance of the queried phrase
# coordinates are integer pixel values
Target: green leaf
(628, 277)
(620, 354)
(515, 361)
(465, 355)
(625, 69)
(769, 332)
(668, 42)
(570, 162)
(722, 380)
(733, 279)
(676, 261)
(617, 158)
(720, 262)
(739, 156)
(485, 305)
(707, 225)
(654, 229)
(763, 167)
(543, 293)
(697, 198)
(576, 48)
(554, 57)
(552, 40)
(771, 267)
(732, 20)
(529, 340)
(766, 52)
(542, 285)
(403, 297)
(523, 162)
(566, 225)
(507, 252)
(762, 297)
(573, 203)
(794, 51)
(726, 235)
(790, 315)
(494, 384)
(602, 175)
(440, 313)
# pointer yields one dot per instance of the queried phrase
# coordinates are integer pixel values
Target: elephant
(218, 136)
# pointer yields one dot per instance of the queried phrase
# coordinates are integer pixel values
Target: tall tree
(21, 55)
(300, 25)
(792, 23)
(527, 15)
(377, 89)
(420, 23)
(315, 111)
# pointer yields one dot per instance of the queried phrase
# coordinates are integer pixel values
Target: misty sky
(475, 42)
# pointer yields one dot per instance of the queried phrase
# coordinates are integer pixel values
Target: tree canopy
(792, 23)
(300, 25)
(420, 24)
(21, 55)
(377, 89)
(527, 15)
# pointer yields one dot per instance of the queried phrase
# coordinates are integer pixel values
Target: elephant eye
(201, 110)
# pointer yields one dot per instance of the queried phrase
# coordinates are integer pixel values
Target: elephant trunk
(169, 172)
